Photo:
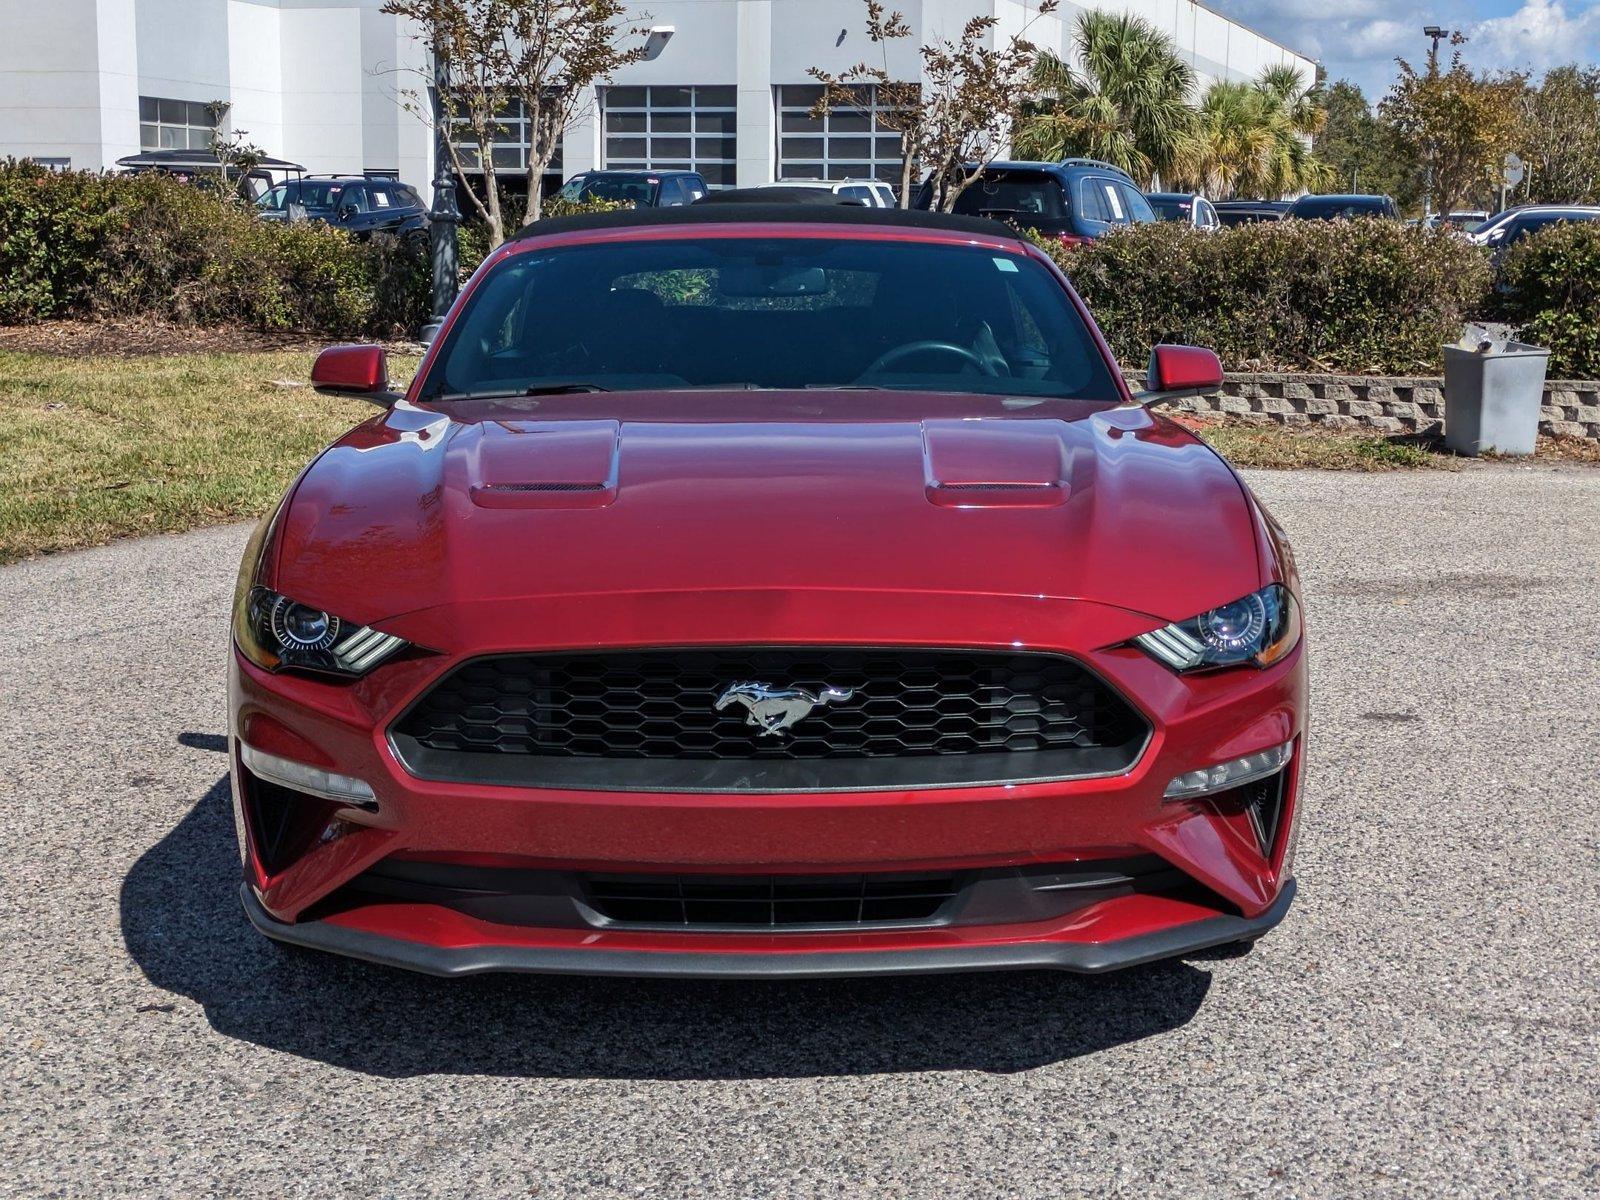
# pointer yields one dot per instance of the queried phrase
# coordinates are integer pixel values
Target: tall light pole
(1438, 33)
(444, 252)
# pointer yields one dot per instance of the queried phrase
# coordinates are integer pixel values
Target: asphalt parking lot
(1426, 1023)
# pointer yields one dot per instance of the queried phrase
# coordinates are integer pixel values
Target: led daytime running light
(1225, 776)
(302, 777)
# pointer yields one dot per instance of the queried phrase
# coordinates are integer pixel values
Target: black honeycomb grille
(661, 704)
(769, 900)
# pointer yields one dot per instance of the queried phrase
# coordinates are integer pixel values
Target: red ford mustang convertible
(767, 590)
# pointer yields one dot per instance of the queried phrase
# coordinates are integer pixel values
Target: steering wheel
(884, 360)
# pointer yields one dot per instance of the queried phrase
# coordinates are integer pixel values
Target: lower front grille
(768, 902)
(732, 904)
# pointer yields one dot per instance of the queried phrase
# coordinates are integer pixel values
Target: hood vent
(543, 487)
(546, 464)
(995, 463)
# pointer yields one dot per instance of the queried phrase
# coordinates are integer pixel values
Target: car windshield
(314, 196)
(1031, 195)
(762, 312)
(626, 189)
(1170, 210)
(1332, 208)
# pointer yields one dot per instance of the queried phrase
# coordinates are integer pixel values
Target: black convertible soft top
(792, 213)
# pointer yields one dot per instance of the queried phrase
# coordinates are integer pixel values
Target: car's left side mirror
(354, 371)
(1180, 371)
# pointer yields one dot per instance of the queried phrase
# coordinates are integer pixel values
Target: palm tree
(1295, 114)
(1301, 103)
(1254, 138)
(1227, 149)
(1129, 105)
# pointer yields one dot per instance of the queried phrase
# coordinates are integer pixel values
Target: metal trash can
(1492, 397)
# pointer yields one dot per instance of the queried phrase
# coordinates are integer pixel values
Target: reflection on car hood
(787, 491)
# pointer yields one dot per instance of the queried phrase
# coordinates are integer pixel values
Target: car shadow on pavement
(183, 925)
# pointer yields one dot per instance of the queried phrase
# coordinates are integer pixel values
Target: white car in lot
(869, 192)
(1514, 223)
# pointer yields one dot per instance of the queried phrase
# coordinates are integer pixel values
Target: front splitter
(1089, 958)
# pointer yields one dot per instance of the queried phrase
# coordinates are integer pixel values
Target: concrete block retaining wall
(1387, 404)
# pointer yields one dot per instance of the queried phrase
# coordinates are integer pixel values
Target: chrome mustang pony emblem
(774, 710)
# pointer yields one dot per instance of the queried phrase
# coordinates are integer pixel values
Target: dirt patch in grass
(133, 338)
(1276, 446)
(1567, 449)
(99, 448)
(1256, 444)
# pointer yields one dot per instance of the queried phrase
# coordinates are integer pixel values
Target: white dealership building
(327, 83)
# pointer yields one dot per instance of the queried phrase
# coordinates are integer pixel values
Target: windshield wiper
(561, 389)
(538, 389)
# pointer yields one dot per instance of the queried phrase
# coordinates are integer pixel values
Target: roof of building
(806, 214)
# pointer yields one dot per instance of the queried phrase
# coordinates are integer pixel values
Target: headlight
(274, 631)
(1259, 628)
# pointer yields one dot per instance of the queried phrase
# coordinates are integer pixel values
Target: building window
(671, 129)
(509, 144)
(848, 143)
(173, 124)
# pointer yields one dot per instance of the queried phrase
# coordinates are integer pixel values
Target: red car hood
(856, 491)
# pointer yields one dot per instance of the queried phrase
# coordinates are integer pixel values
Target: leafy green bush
(472, 235)
(1551, 293)
(50, 231)
(1359, 297)
(83, 244)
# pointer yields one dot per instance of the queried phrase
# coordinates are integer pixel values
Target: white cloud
(1539, 35)
(1360, 39)
(1357, 40)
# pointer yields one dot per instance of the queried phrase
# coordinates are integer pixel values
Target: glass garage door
(510, 142)
(847, 143)
(671, 129)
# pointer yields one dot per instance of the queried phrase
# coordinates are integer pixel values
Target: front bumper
(1233, 889)
(1080, 957)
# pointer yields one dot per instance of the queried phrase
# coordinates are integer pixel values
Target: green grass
(96, 448)
(1273, 446)
(101, 448)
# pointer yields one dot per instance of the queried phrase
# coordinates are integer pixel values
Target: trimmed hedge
(81, 244)
(1551, 293)
(1348, 297)
(1365, 297)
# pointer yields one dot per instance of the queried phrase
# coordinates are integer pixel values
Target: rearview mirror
(354, 370)
(1180, 371)
(759, 280)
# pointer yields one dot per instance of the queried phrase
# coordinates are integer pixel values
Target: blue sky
(1359, 39)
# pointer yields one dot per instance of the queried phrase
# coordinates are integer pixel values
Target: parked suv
(1515, 224)
(1332, 208)
(641, 189)
(1075, 200)
(354, 202)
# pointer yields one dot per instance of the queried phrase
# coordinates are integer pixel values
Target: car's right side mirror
(1179, 371)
